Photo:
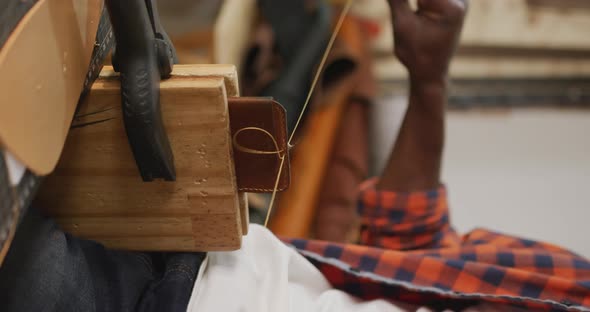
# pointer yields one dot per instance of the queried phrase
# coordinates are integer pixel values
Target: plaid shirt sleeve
(405, 221)
(409, 252)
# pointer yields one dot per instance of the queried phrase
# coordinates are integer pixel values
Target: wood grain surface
(96, 191)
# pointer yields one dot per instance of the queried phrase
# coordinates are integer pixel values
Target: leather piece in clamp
(257, 173)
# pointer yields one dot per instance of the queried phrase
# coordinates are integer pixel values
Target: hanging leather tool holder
(319, 151)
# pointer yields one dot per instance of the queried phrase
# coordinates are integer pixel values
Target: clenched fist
(426, 39)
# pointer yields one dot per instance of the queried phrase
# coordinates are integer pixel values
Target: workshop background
(517, 156)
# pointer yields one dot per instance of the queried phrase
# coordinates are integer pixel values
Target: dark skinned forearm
(425, 41)
(415, 162)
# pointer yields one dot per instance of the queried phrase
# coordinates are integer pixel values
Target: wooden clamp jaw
(96, 193)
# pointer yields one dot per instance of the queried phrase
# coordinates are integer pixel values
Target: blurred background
(517, 157)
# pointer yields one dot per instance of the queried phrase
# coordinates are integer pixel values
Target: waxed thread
(282, 153)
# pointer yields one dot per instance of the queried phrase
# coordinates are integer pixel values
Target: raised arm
(425, 41)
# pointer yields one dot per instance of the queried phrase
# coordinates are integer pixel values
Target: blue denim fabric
(48, 270)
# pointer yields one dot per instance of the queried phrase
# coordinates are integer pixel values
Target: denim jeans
(49, 270)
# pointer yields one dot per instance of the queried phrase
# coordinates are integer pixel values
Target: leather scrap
(257, 173)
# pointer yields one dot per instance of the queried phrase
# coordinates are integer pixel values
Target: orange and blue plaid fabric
(409, 252)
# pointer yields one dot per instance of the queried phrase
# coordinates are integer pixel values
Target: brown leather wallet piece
(256, 171)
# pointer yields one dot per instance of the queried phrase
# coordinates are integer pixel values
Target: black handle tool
(143, 56)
